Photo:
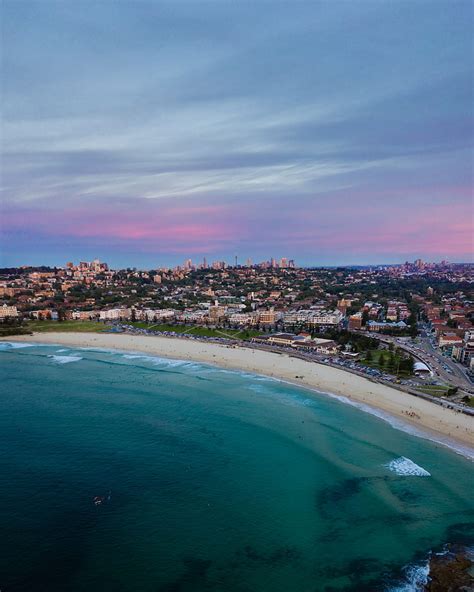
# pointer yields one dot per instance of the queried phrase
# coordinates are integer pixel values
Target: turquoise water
(218, 480)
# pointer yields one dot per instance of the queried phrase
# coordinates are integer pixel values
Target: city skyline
(337, 133)
(235, 262)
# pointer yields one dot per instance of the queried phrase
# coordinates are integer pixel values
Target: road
(445, 369)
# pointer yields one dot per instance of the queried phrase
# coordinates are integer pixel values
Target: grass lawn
(64, 326)
(376, 359)
(93, 326)
(436, 390)
(200, 331)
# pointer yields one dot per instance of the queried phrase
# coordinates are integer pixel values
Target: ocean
(126, 472)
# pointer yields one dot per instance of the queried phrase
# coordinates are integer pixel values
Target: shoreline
(429, 420)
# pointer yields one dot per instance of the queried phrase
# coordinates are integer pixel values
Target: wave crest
(405, 467)
(65, 359)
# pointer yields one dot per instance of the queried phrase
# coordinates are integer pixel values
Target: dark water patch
(194, 577)
(209, 432)
(360, 574)
(341, 492)
(461, 533)
(54, 561)
(277, 557)
(406, 494)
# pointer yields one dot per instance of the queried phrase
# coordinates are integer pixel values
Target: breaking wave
(15, 344)
(65, 359)
(407, 468)
(414, 579)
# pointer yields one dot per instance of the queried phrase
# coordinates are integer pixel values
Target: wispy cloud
(325, 120)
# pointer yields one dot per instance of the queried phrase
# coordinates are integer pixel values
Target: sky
(143, 133)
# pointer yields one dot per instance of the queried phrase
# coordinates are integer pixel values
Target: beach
(441, 423)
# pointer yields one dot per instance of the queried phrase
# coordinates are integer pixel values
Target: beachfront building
(217, 313)
(283, 339)
(164, 314)
(83, 315)
(115, 314)
(329, 319)
(296, 317)
(301, 341)
(44, 314)
(320, 346)
(8, 312)
(242, 318)
(268, 317)
(193, 316)
(313, 318)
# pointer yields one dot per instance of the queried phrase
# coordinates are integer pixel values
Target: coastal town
(410, 324)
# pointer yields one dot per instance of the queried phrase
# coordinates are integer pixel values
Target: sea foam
(165, 362)
(15, 345)
(407, 468)
(65, 359)
(414, 580)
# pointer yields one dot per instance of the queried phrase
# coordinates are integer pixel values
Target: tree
(407, 365)
(368, 356)
(365, 317)
(391, 361)
(381, 360)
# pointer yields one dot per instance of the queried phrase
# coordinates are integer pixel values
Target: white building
(8, 311)
(115, 314)
(242, 318)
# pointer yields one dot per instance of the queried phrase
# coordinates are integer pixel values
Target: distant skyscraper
(419, 264)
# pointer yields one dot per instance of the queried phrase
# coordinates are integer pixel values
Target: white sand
(435, 420)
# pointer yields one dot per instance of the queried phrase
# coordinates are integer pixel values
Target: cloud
(307, 117)
(168, 228)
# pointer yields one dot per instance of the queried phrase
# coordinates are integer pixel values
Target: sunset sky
(144, 133)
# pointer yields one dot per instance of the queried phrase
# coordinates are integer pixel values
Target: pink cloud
(343, 224)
